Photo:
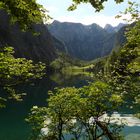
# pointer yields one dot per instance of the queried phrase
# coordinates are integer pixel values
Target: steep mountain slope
(83, 42)
(110, 29)
(39, 47)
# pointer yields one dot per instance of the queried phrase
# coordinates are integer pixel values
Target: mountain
(110, 29)
(83, 42)
(120, 25)
(76, 40)
(42, 47)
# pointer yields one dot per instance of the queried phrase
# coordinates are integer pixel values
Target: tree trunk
(105, 130)
(60, 130)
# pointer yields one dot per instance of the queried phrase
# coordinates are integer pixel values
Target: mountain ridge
(41, 47)
(86, 42)
(110, 29)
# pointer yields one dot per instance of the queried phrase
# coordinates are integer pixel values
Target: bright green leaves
(124, 69)
(134, 66)
(72, 7)
(72, 111)
(97, 4)
(133, 33)
(133, 10)
(101, 98)
(2, 102)
(36, 118)
(14, 71)
(25, 12)
(62, 108)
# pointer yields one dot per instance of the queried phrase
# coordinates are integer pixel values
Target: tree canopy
(78, 112)
(80, 105)
(85, 105)
(14, 71)
(97, 4)
(25, 12)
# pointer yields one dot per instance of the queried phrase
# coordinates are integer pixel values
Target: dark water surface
(12, 124)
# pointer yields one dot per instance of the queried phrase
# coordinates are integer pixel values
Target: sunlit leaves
(36, 119)
(14, 71)
(125, 65)
(2, 102)
(72, 111)
(97, 4)
(25, 12)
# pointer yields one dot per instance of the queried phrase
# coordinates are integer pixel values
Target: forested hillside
(91, 110)
(38, 46)
(86, 42)
(76, 40)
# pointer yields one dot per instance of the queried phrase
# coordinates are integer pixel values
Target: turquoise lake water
(12, 124)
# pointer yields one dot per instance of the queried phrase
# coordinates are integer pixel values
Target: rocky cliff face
(110, 29)
(84, 42)
(36, 47)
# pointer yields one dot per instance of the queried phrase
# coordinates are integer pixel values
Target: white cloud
(52, 9)
(68, 19)
(101, 20)
(84, 13)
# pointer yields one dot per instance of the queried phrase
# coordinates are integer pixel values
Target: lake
(12, 124)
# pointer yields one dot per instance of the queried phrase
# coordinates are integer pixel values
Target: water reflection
(12, 124)
(77, 80)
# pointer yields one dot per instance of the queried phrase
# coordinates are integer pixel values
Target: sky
(85, 13)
